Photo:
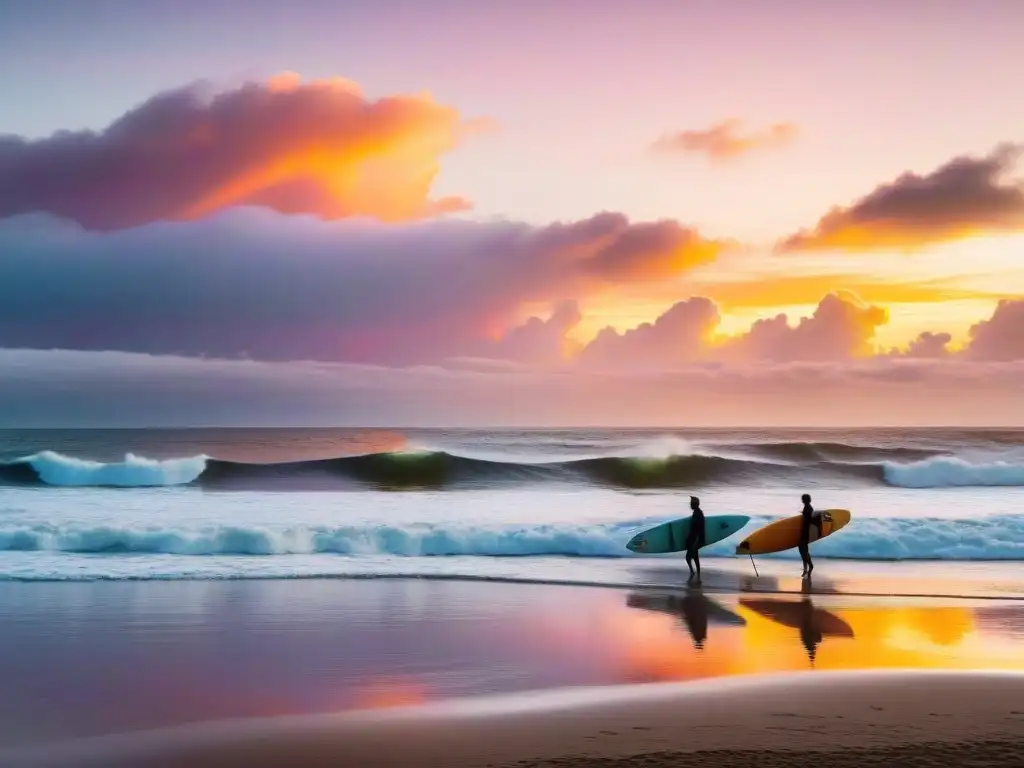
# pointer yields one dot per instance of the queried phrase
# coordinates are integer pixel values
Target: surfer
(808, 518)
(695, 536)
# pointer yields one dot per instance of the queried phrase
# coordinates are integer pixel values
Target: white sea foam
(950, 472)
(994, 538)
(134, 471)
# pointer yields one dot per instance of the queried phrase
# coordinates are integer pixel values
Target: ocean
(530, 505)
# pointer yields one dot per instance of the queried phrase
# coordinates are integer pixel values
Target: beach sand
(830, 720)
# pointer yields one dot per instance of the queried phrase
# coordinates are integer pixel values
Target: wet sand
(310, 669)
(829, 720)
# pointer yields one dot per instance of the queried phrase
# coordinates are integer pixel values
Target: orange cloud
(841, 328)
(319, 148)
(726, 140)
(965, 197)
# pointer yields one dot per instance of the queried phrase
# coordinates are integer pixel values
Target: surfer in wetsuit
(695, 536)
(808, 519)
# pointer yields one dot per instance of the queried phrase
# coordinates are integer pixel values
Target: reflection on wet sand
(712, 579)
(88, 658)
(794, 633)
(694, 607)
(813, 623)
(716, 579)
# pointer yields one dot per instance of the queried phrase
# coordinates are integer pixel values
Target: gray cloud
(965, 196)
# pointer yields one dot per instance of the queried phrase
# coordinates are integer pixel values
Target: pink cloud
(841, 328)
(682, 334)
(726, 140)
(927, 345)
(1001, 337)
(540, 342)
(319, 148)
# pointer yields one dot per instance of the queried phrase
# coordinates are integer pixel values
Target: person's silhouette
(695, 537)
(808, 518)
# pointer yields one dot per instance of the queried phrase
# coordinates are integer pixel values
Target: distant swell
(441, 470)
(828, 451)
(996, 538)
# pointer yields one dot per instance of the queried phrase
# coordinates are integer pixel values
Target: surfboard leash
(754, 564)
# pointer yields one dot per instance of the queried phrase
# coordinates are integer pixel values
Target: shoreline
(472, 579)
(843, 718)
(985, 581)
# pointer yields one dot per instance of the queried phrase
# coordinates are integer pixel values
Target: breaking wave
(753, 463)
(993, 538)
(49, 468)
(948, 472)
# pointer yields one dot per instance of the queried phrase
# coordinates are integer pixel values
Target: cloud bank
(67, 388)
(251, 283)
(248, 318)
(319, 148)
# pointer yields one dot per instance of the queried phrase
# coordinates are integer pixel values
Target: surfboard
(671, 536)
(785, 534)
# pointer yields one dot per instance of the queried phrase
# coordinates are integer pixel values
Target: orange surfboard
(785, 534)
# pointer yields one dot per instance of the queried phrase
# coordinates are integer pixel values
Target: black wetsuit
(696, 535)
(695, 539)
(808, 519)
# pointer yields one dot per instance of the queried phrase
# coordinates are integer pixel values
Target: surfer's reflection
(695, 616)
(810, 634)
(694, 608)
(814, 624)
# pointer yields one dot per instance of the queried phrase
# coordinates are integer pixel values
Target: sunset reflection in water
(693, 635)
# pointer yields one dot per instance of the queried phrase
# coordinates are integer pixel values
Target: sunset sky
(665, 212)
